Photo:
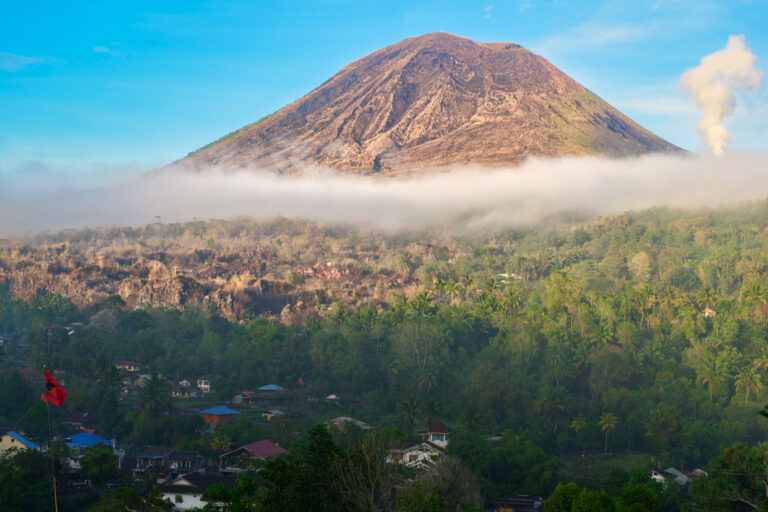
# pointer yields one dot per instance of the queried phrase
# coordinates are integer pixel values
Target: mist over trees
(586, 350)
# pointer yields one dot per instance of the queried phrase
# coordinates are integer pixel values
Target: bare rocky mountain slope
(432, 101)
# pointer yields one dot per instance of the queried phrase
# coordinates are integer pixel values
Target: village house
(271, 414)
(265, 396)
(81, 421)
(12, 440)
(82, 440)
(421, 455)
(519, 504)
(343, 421)
(188, 492)
(166, 460)
(426, 453)
(437, 434)
(675, 475)
(180, 392)
(128, 366)
(243, 458)
(204, 385)
(219, 414)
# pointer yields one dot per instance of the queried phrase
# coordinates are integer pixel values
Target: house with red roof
(243, 458)
(437, 434)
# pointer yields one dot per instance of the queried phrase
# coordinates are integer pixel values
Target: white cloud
(12, 62)
(658, 105)
(592, 35)
(470, 196)
(106, 50)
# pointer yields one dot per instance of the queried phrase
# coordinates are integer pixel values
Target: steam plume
(713, 82)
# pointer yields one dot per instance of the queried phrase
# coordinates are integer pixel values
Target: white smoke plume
(713, 82)
(465, 198)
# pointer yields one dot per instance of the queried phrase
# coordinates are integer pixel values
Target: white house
(204, 384)
(188, 492)
(422, 455)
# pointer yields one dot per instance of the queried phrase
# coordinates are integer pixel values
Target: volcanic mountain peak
(430, 101)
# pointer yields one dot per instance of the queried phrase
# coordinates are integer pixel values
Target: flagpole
(50, 453)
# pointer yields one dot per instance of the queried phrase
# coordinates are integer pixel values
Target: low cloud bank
(462, 197)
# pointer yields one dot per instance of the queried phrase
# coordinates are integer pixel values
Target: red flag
(247, 394)
(301, 381)
(54, 393)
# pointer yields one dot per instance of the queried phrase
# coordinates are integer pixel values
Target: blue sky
(96, 87)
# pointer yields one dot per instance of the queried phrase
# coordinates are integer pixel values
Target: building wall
(7, 442)
(188, 501)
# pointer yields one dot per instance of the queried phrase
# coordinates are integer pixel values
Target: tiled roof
(439, 428)
(264, 449)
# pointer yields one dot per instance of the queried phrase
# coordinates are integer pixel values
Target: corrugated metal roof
(23, 440)
(221, 410)
(86, 439)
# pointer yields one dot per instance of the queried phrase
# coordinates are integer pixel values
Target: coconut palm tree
(608, 423)
(409, 411)
(578, 423)
(711, 370)
(513, 298)
(453, 289)
(155, 396)
(749, 380)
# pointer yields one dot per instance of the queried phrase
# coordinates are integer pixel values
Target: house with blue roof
(11, 440)
(85, 440)
(271, 387)
(219, 414)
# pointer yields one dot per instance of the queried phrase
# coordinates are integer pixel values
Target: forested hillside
(630, 343)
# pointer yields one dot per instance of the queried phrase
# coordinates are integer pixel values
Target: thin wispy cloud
(106, 50)
(658, 105)
(592, 35)
(12, 62)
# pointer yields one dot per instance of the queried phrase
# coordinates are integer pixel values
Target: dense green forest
(594, 351)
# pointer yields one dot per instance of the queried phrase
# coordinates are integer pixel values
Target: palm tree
(750, 380)
(409, 410)
(471, 420)
(155, 396)
(427, 379)
(711, 370)
(578, 423)
(431, 412)
(550, 405)
(607, 423)
(761, 363)
(755, 294)
(491, 285)
(513, 298)
(705, 296)
(440, 286)
(422, 304)
(659, 426)
(453, 289)
(466, 282)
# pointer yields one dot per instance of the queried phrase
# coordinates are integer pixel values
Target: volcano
(433, 101)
